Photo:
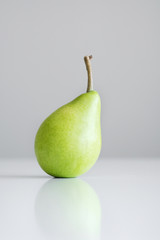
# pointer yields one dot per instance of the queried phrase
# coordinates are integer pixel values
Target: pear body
(68, 142)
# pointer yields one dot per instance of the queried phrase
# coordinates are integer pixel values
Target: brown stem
(89, 71)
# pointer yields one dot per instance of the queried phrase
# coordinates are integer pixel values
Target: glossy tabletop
(118, 199)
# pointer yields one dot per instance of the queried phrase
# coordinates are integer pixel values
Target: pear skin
(68, 142)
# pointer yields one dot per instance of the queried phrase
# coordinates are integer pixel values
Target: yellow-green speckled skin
(68, 142)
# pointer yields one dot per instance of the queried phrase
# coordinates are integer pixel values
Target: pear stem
(89, 71)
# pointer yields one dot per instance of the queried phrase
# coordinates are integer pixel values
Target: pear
(68, 142)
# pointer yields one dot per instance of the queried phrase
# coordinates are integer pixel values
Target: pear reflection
(68, 209)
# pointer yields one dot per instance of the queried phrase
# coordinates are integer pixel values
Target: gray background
(42, 44)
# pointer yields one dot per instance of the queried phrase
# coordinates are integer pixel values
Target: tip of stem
(86, 57)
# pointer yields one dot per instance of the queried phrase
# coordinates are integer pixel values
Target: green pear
(68, 142)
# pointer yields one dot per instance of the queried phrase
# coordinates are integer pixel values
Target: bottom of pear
(65, 174)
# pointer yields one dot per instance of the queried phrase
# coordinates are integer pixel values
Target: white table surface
(118, 199)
